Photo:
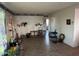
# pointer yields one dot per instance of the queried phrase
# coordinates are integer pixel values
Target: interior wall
(76, 27)
(58, 22)
(9, 25)
(31, 21)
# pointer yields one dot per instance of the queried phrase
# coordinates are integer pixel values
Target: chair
(53, 36)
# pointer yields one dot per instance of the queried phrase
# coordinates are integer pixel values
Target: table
(34, 33)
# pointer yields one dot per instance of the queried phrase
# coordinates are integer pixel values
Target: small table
(34, 32)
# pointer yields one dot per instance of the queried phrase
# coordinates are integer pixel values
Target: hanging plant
(18, 25)
(38, 24)
(24, 24)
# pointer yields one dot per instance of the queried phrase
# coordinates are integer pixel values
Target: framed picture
(68, 21)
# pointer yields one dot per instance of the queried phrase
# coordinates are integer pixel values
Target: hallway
(37, 47)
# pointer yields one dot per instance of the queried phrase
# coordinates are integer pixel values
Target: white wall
(9, 19)
(58, 22)
(31, 21)
(76, 27)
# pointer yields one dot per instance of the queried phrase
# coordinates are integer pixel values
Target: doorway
(47, 42)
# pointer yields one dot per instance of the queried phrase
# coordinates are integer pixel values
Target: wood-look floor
(37, 47)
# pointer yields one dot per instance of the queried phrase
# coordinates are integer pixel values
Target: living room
(40, 28)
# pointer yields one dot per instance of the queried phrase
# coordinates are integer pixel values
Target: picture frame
(68, 21)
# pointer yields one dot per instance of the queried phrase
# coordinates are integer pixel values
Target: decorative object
(68, 21)
(61, 37)
(24, 24)
(38, 24)
(28, 35)
(18, 25)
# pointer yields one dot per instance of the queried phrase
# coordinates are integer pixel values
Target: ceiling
(37, 7)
